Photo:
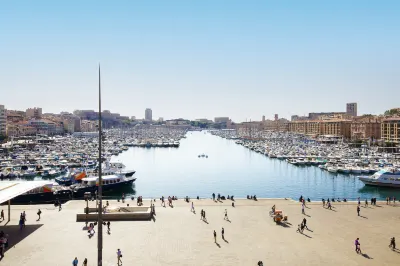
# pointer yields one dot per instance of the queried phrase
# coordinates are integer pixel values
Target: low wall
(137, 215)
(123, 209)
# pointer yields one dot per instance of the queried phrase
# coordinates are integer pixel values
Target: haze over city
(201, 59)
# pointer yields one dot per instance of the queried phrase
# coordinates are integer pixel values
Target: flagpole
(99, 193)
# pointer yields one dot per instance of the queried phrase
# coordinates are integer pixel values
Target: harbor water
(232, 169)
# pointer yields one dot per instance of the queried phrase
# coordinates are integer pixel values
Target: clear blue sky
(196, 59)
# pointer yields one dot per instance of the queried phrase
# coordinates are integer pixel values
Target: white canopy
(10, 190)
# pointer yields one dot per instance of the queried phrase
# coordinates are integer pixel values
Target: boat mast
(99, 193)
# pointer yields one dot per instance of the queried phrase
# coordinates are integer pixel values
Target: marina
(280, 165)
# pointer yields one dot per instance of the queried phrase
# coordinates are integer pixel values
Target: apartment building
(390, 129)
(20, 129)
(35, 112)
(336, 128)
(368, 127)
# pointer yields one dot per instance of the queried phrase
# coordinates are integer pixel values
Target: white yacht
(383, 178)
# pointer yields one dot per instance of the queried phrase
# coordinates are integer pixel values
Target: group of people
(390, 199)
(203, 215)
(222, 235)
(75, 262)
(252, 197)
(327, 204)
(22, 220)
(302, 199)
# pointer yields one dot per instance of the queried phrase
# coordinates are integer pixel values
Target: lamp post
(99, 194)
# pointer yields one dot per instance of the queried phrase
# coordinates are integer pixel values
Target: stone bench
(142, 214)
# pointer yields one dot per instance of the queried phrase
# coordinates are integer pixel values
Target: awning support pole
(9, 210)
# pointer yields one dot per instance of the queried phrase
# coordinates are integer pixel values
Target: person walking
(302, 209)
(329, 206)
(24, 218)
(75, 262)
(392, 243)
(201, 214)
(305, 223)
(119, 256)
(213, 196)
(323, 202)
(226, 215)
(2, 215)
(223, 233)
(59, 206)
(38, 213)
(84, 262)
(192, 209)
(204, 216)
(215, 237)
(387, 200)
(108, 227)
(357, 244)
(366, 203)
(358, 210)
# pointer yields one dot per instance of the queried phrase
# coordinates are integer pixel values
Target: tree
(393, 111)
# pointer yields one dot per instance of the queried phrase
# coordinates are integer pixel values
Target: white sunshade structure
(10, 190)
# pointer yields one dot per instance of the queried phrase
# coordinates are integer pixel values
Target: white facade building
(3, 120)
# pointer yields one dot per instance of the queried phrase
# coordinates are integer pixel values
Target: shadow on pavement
(15, 235)
(366, 256)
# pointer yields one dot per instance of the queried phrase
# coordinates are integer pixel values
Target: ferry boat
(110, 182)
(389, 177)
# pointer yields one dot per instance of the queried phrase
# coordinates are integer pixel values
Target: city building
(325, 115)
(366, 127)
(3, 121)
(221, 119)
(204, 120)
(35, 112)
(298, 118)
(351, 109)
(338, 127)
(15, 116)
(281, 125)
(44, 126)
(87, 114)
(20, 129)
(390, 129)
(89, 126)
(148, 115)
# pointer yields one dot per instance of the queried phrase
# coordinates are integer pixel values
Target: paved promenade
(179, 237)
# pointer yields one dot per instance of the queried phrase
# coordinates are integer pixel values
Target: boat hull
(110, 187)
(44, 197)
(379, 184)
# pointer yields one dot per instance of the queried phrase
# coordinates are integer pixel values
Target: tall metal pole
(99, 194)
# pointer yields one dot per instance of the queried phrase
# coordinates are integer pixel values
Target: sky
(201, 59)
